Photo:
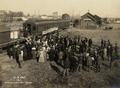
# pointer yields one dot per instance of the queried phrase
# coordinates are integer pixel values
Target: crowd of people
(69, 53)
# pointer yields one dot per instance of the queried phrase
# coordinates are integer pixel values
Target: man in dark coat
(51, 54)
(16, 55)
(66, 63)
(37, 55)
(29, 50)
(10, 52)
(90, 42)
(116, 50)
(96, 57)
(102, 43)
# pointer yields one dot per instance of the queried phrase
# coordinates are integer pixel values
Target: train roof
(43, 21)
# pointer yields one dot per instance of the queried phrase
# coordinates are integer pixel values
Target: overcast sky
(104, 8)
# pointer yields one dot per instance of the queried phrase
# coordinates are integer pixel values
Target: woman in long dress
(42, 54)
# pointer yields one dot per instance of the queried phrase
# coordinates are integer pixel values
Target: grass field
(96, 35)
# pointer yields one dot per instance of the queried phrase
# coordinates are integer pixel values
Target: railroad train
(37, 27)
(32, 27)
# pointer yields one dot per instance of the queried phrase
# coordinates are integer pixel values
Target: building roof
(94, 18)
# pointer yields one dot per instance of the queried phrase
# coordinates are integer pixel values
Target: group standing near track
(69, 53)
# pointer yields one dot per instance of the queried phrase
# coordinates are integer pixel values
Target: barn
(90, 21)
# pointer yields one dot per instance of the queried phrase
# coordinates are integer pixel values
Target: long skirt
(43, 55)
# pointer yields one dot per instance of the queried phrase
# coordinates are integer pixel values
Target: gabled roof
(97, 17)
(94, 18)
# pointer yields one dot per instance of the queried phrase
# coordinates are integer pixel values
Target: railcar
(30, 27)
(5, 37)
(37, 27)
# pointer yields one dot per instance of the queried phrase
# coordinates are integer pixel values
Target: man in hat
(116, 50)
(16, 54)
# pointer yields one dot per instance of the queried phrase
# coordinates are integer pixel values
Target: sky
(103, 8)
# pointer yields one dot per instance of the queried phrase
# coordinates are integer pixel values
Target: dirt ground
(41, 75)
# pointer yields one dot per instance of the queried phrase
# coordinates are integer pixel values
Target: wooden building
(89, 21)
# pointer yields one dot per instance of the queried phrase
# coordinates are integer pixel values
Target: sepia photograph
(59, 43)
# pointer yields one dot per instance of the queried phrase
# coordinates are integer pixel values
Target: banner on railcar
(49, 30)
